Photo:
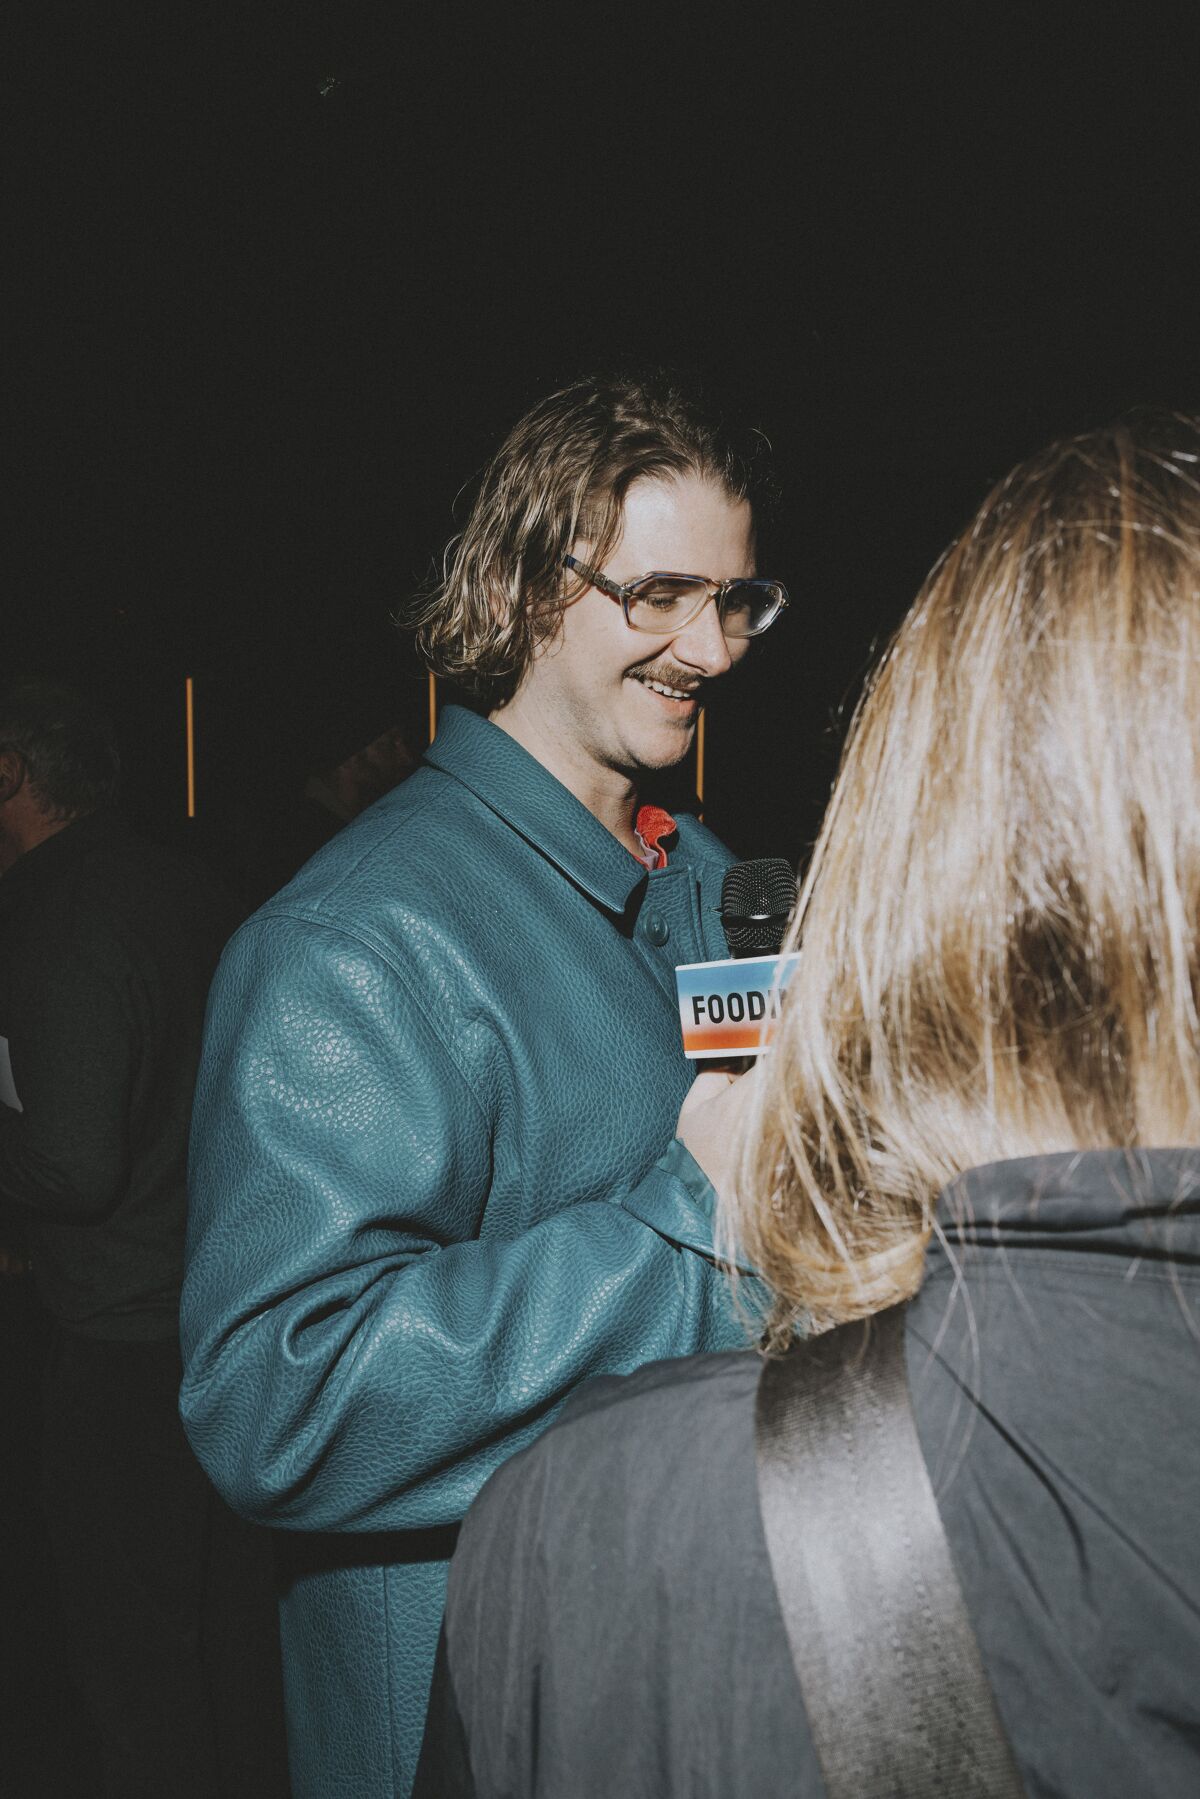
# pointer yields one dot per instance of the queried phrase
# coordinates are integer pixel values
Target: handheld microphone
(756, 902)
(728, 1009)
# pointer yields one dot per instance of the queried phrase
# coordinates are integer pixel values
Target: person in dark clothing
(107, 945)
(981, 1103)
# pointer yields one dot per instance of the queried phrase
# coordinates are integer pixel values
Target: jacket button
(656, 928)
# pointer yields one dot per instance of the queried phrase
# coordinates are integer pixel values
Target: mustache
(671, 675)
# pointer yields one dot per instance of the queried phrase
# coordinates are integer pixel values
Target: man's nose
(703, 645)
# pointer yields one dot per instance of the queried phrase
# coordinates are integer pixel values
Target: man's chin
(666, 749)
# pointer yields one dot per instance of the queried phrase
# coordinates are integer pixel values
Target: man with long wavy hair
(435, 1183)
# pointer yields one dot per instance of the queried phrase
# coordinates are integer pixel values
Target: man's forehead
(686, 522)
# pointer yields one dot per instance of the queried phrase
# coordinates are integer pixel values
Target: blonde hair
(560, 477)
(999, 925)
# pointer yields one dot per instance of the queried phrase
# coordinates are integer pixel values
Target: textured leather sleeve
(357, 1357)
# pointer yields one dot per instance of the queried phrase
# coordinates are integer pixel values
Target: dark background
(278, 282)
(283, 282)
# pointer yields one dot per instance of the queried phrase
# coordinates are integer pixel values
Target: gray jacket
(612, 1626)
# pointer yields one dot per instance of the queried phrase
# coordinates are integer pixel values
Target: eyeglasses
(666, 603)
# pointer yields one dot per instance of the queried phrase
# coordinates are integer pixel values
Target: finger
(710, 1083)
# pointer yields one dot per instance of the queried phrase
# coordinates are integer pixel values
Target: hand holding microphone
(756, 902)
(710, 1121)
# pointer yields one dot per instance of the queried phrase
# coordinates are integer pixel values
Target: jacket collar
(1142, 1203)
(515, 786)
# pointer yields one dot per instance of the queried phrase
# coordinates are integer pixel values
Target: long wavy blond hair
(999, 925)
(560, 477)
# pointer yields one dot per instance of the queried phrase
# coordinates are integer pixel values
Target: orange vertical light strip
(190, 704)
(700, 759)
(432, 706)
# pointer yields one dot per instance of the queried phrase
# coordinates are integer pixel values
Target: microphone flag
(730, 1008)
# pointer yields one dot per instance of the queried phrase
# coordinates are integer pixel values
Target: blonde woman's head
(999, 926)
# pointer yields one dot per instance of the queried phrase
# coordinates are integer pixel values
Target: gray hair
(67, 744)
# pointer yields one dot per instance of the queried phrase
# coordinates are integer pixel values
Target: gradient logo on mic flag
(729, 1008)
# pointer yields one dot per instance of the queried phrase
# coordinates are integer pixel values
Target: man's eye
(662, 596)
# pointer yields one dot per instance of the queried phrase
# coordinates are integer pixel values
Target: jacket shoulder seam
(378, 950)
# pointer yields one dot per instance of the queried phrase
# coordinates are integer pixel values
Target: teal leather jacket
(432, 1189)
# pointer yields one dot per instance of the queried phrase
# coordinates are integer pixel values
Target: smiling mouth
(670, 693)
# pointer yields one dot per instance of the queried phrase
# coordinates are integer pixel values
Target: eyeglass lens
(666, 603)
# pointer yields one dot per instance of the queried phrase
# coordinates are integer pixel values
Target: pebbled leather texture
(441, 1069)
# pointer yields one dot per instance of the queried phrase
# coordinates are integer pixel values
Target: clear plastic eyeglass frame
(626, 594)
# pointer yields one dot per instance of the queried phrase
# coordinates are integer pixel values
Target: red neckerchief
(651, 827)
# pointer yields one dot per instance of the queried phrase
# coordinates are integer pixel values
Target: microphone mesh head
(756, 903)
